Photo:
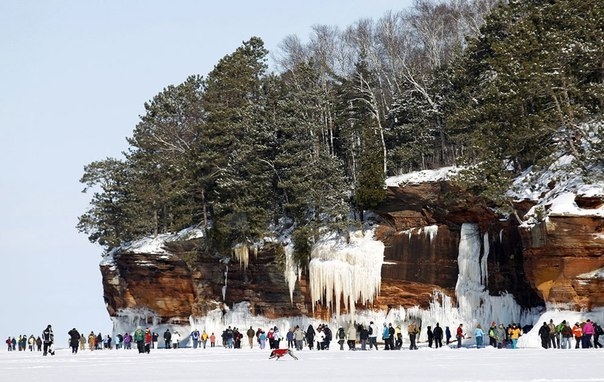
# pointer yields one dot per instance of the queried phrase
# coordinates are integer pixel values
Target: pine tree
(230, 164)
(525, 84)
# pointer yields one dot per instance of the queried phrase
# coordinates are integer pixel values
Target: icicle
(224, 287)
(430, 231)
(351, 271)
(242, 253)
(484, 270)
(292, 271)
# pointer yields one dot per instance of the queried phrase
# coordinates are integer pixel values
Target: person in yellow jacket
(204, 338)
(515, 333)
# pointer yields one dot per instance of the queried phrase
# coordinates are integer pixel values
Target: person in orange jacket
(212, 340)
(577, 333)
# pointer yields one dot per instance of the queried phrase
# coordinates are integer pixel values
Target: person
(175, 340)
(598, 331)
(363, 336)
(430, 334)
(514, 334)
(212, 340)
(155, 338)
(391, 332)
(167, 339)
(38, 344)
(237, 338)
(299, 338)
(91, 340)
(119, 340)
(577, 333)
(327, 339)
(492, 335)
(478, 335)
(544, 335)
(341, 335)
(290, 338)
(310, 336)
(148, 340)
(552, 334)
(48, 338)
(398, 333)
(373, 332)
(204, 338)
(412, 330)
(438, 336)
(195, 338)
(228, 338)
(351, 334)
(459, 335)
(588, 332)
(74, 340)
(139, 338)
(127, 341)
(262, 340)
(31, 342)
(447, 335)
(107, 342)
(251, 334)
(500, 336)
(565, 333)
(320, 338)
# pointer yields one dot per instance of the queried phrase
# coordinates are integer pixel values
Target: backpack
(599, 330)
(370, 331)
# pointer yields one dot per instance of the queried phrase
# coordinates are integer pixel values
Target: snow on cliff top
(425, 176)
(153, 244)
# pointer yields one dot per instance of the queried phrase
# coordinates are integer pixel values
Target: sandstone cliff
(553, 261)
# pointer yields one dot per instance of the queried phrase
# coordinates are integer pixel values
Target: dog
(278, 353)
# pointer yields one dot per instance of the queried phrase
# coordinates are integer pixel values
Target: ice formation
(474, 302)
(292, 270)
(242, 253)
(346, 272)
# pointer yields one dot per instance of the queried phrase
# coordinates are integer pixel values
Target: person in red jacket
(459, 335)
(148, 340)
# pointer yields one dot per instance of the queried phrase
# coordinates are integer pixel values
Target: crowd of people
(585, 334)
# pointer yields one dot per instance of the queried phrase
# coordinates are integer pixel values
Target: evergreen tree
(113, 216)
(230, 155)
(159, 152)
(525, 84)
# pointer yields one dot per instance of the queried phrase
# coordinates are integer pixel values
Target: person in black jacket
(74, 340)
(544, 334)
(48, 338)
(310, 336)
(167, 339)
(430, 334)
(438, 336)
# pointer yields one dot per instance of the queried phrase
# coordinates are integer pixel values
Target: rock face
(420, 226)
(560, 254)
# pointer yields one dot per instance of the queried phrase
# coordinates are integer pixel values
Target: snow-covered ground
(219, 364)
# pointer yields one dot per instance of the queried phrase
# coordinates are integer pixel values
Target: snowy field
(219, 364)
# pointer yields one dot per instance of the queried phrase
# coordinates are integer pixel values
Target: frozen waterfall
(346, 271)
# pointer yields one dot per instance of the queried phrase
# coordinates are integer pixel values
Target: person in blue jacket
(478, 335)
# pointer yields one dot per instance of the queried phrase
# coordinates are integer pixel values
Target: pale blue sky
(74, 77)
